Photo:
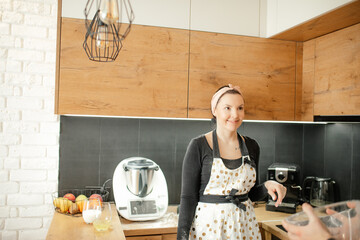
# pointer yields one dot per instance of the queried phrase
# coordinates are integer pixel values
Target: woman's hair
(230, 91)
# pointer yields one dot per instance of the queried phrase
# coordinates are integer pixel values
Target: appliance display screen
(143, 207)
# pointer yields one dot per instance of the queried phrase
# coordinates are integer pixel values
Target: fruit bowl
(70, 201)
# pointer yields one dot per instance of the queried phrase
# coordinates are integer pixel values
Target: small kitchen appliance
(140, 189)
(322, 191)
(289, 176)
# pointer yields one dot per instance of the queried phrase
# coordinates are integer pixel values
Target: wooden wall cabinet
(149, 77)
(263, 68)
(153, 77)
(330, 82)
(331, 79)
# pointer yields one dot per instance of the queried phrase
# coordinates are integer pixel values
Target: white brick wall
(29, 130)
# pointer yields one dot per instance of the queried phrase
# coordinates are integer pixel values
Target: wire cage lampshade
(103, 39)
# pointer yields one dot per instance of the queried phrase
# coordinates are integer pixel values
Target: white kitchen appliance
(140, 189)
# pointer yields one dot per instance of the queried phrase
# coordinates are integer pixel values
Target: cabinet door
(169, 13)
(263, 68)
(336, 66)
(149, 77)
(239, 17)
(283, 14)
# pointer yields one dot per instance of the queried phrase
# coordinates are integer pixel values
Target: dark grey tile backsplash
(91, 148)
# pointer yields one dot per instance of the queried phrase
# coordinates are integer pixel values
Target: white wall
(258, 18)
(241, 17)
(284, 14)
(29, 130)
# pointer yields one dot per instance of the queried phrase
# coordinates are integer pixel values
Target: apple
(70, 196)
(80, 201)
(97, 196)
(80, 197)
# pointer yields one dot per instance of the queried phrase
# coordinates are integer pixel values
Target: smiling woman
(219, 177)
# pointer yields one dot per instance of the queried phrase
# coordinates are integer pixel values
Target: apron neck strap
(216, 153)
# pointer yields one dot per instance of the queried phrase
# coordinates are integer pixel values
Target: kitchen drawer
(152, 237)
(169, 237)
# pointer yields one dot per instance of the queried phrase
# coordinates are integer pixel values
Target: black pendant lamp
(103, 39)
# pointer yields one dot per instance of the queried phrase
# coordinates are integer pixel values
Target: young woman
(219, 177)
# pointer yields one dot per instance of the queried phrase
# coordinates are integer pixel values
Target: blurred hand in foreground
(315, 229)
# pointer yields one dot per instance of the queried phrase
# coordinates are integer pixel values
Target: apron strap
(243, 149)
(231, 198)
(216, 152)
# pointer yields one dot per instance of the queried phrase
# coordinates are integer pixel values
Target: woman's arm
(259, 191)
(190, 186)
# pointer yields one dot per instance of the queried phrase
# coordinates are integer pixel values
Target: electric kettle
(322, 191)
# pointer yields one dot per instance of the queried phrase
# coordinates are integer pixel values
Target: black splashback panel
(91, 148)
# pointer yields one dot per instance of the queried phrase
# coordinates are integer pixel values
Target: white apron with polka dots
(217, 221)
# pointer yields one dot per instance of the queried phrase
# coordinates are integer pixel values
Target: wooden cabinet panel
(298, 79)
(336, 19)
(337, 73)
(263, 68)
(307, 94)
(153, 237)
(149, 77)
(169, 237)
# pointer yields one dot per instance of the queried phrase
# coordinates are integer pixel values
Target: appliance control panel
(141, 208)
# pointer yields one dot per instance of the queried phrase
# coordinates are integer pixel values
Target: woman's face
(229, 111)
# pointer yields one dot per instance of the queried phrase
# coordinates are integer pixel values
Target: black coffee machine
(289, 176)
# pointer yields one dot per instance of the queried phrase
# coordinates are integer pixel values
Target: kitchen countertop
(168, 223)
(165, 225)
(70, 227)
(270, 229)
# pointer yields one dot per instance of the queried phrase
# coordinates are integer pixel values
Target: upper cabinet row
(165, 70)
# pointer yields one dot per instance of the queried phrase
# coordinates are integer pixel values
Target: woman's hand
(275, 187)
(315, 229)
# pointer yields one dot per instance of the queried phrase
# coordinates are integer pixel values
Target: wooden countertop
(165, 225)
(268, 220)
(168, 223)
(268, 216)
(271, 228)
(69, 227)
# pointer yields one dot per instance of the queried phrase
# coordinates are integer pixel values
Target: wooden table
(69, 227)
(268, 220)
(270, 229)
